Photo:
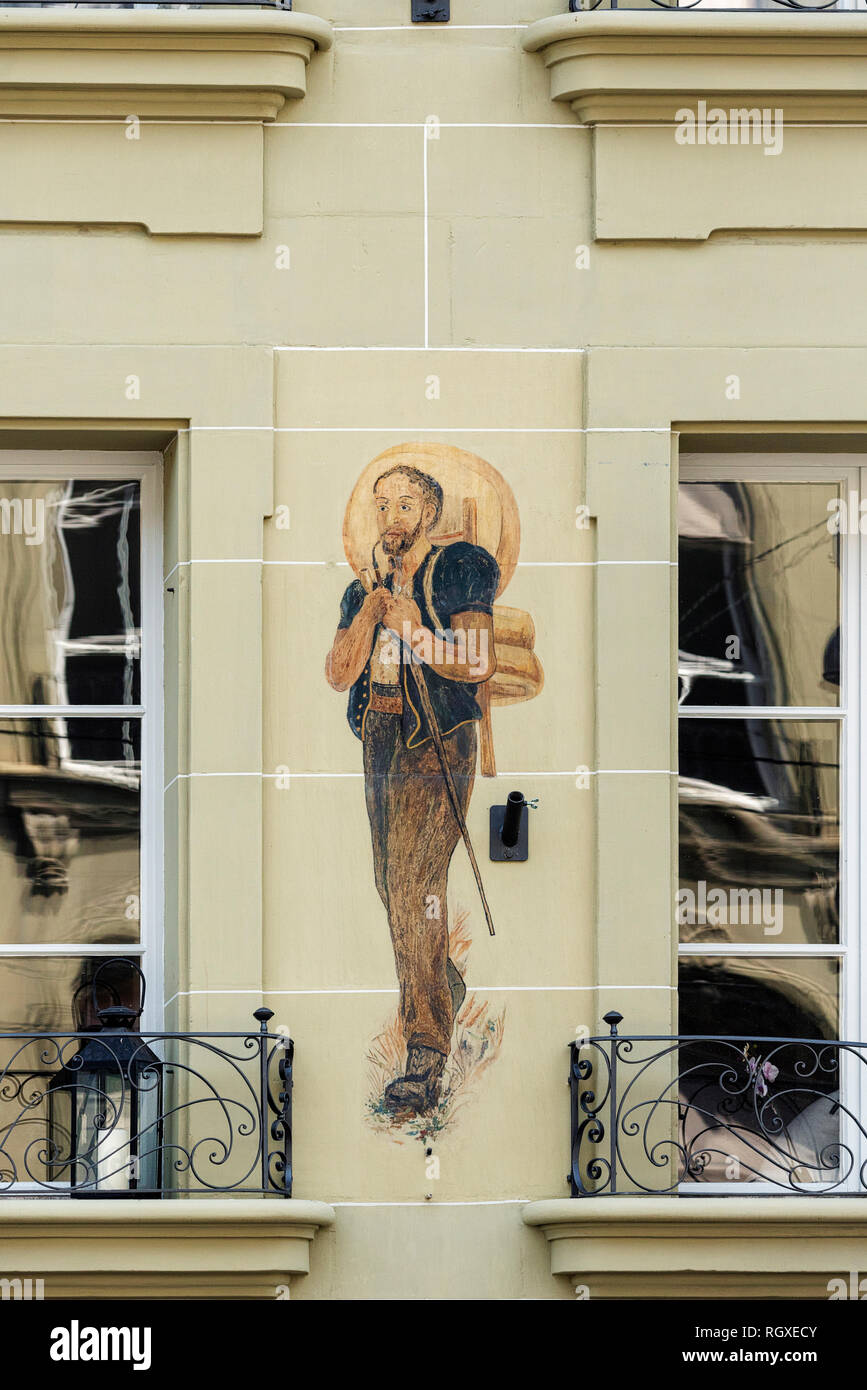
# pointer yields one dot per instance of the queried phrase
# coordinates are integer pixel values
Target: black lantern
(105, 1105)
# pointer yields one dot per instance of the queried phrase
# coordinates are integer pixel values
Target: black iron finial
(612, 1019)
(262, 1016)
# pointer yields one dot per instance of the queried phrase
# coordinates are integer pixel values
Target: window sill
(242, 64)
(629, 65)
(621, 71)
(118, 113)
(210, 1248)
(715, 1247)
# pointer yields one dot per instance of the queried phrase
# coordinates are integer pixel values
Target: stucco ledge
(146, 118)
(224, 1248)
(238, 64)
(703, 1247)
(630, 65)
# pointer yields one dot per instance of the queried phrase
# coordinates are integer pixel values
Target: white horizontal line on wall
(385, 429)
(185, 777)
(491, 989)
(346, 125)
(482, 1202)
(511, 125)
(592, 564)
(273, 993)
(355, 347)
(422, 125)
(447, 348)
(574, 772)
(443, 125)
(325, 776)
(322, 125)
(225, 560)
(344, 564)
(598, 772)
(417, 28)
(397, 125)
(796, 125)
(426, 429)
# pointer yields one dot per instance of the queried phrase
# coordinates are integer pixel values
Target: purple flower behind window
(761, 1073)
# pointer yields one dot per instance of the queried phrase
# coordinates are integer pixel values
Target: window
(80, 730)
(771, 570)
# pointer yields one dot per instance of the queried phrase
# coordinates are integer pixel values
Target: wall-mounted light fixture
(509, 827)
(430, 11)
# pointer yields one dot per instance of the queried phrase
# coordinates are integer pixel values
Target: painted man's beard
(401, 543)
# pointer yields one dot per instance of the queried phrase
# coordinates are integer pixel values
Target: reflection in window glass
(48, 995)
(759, 592)
(69, 830)
(70, 621)
(759, 831)
(760, 1110)
(53, 994)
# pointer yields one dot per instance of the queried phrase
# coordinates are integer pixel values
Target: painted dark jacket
(456, 578)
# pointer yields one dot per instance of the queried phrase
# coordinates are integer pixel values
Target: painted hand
(400, 611)
(376, 604)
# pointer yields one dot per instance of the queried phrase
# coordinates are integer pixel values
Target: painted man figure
(434, 602)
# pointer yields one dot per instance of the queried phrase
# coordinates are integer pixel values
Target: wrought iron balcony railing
(112, 1112)
(661, 1115)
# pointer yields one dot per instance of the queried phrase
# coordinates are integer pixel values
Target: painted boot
(456, 986)
(419, 1089)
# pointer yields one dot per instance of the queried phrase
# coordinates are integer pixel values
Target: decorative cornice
(236, 64)
(627, 65)
(214, 1248)
(712, 1247)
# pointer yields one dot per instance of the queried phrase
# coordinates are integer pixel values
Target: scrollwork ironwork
(216, 1108)
(660, 1114)
(577, 6)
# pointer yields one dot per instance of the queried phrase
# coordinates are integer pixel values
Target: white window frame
(23, 465)
(849, 470)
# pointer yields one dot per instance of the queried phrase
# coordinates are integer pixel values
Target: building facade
(400, 412)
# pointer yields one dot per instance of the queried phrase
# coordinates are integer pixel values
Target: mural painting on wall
(432, 533)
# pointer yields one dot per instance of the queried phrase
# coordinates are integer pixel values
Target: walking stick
(436, 734)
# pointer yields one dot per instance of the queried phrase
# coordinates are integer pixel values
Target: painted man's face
(402, 512)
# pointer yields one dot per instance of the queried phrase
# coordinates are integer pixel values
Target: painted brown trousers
(414, 832)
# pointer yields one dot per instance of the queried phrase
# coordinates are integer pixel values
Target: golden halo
(461, 476)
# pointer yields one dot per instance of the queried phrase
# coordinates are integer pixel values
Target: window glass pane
(69, 573)
(53, 994)
(759, 831)
(759, 588)
(69, 830)
(760, 1110)
(44, 995)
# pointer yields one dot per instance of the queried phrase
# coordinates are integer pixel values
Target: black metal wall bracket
(509, 829)
(430, 11)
